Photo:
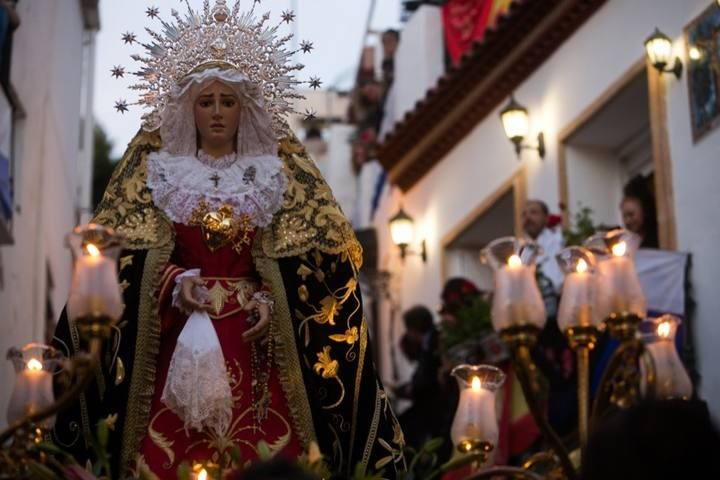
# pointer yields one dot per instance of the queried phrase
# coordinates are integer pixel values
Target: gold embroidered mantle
(309, 220)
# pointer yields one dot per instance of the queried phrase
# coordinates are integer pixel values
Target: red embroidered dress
(231, 281)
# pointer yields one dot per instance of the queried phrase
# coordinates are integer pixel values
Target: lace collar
(216, 162)
(253, 186)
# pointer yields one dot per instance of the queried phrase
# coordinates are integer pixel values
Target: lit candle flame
(619, 249)
(663, 329)
(581, 266)
(92, 250)
(34, 364)
(514, 261)
(475, 384)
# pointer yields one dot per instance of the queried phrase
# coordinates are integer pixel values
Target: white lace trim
(253, 186)
(197, 387)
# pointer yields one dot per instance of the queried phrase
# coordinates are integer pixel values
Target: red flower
(553, 220)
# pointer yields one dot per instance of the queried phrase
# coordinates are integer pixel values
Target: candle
(32, 391)
(475, 425)
(199, 472)
(94, 290)
(578, 297)
(516, 300)
(671, 380)
(621, 291)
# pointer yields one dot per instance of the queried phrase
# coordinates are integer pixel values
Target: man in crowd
(422, 420)
(550, 240)
(552, 353)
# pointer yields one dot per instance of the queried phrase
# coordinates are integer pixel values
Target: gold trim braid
(142, 385)
(287, 358)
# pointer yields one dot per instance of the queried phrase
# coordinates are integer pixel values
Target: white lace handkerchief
(197, 387)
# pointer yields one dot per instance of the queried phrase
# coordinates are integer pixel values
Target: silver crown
(218, 35)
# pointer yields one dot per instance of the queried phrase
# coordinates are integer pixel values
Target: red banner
(465, 22)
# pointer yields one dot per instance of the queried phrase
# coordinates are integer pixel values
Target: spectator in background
(552, 353)
(390, 41)
(535, 224)
(663, 440)
(638, 211)
(422, 420)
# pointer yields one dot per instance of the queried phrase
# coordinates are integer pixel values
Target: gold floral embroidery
(111, 420)
(350, 336)
(127, 203)
(326, 366)
(162, 442)
(303, 293)
(310, 217)
(125, 261)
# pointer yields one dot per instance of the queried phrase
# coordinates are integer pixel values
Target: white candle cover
(95, 289)
(621, 292)
(32, 391)
(475, 419)
(578, 297)
(671, 378)
(516, 300)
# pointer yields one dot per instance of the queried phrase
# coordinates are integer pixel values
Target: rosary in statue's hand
(261, 313)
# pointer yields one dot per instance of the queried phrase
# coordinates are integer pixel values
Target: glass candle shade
(578, 303)
(34, 366)
(475, 426)
(619, 289)
(668, 377)
(94, 290)
(516, 299)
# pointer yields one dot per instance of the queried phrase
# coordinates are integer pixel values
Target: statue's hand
(260, 329)
(189, 299)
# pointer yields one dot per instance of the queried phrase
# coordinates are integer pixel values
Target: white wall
(598, 54)
(46, 73)
(595, 180)
(419, 61)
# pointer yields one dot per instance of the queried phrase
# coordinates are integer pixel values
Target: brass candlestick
(582, 340)
(520, 339)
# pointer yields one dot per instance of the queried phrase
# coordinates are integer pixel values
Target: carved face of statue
(217, 116)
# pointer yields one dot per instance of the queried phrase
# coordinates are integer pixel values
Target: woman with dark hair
(638, 211)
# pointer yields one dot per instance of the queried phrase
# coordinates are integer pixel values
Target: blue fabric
(376, 195)
(5, 193)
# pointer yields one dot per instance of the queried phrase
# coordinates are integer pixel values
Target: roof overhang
(519, 44)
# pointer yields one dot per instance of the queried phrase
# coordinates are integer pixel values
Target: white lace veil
(255, 134)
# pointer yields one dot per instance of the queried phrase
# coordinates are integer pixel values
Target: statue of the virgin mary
(243, 321)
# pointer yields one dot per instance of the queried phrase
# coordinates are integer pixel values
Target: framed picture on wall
(702, 38)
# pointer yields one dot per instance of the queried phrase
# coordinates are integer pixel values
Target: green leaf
(264, 452)
(462, 461)
(41, 472)
(184, 472)
(235, 455)
(432, 444)
(102, 433)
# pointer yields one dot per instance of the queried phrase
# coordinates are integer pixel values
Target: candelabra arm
(504, 472)
(583, 393)
(524, 366)
(619, 384)
(84, 364)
